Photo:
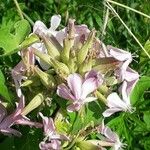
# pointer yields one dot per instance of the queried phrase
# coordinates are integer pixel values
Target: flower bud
(51, 48)
(34, 103)
(60, 67)
(47, 80)
(87, 145)
(46, 58)
(86, 47)
(69, 41)
(101, 97)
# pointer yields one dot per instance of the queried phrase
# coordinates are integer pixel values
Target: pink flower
(52, 140)
(78, 89)
(15, 118)
(18, 72)
(124, 72)
(115, 103)
(110, 137)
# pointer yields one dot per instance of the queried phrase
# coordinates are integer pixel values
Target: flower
(52, 140)
(111, 138)
(78, 89)
(15, 118)
(20, 69)
(124, 73)
(115, 103)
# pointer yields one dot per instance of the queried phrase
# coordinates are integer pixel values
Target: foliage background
(134, 128)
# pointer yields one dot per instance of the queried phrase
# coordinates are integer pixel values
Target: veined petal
(89, 86)
(39, 28)
(119, 54)
(63, 91)
(114, 101)
(48, 125)
(108, 112)
(55, 22)
(75, 84)
(90, 99)
(10, 131)
(74, 107)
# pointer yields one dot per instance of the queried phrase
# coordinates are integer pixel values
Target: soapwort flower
(111, 138)
(78, 89)
(15, 118)
(115, 103)
(52, 140)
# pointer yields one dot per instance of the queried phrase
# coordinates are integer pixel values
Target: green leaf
(3, 88)
(91, 115)
(138, 91)
(146, 118)
(143, 56)
(10, 40)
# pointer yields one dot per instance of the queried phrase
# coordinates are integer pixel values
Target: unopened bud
(51, 48)
(86, 47)
(34, 103)
(69, 41)
(47, 80)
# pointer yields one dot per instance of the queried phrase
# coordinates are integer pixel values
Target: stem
(28, 18)
(105, 23)
(113, 10)
(18, 9)
(129, 8)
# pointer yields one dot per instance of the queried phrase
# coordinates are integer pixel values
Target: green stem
(28, 18)
(18, 8)
(129, 8)
(105, 23)
(113, 10)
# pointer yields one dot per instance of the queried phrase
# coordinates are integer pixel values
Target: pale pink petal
(55, 22)
(25, 121)
(108, 112)
(92, 81)
(39, 28)
(48, 124)
(75, 84)
(119, 54)
(114, 101)
(89, 99)
(10, 132)
(74, 107)
(64, 91)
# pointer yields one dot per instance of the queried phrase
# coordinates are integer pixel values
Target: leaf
(10, 41)
(138, 91)
(146, 118)
(91, 115)
(3, 88)
(143, 56)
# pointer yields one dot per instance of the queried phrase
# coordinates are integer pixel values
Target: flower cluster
(76, 66)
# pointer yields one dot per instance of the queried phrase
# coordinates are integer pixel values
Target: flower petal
(90, 99)
(55, 21)
(74, 107)
(75, 84)
(63, 91)
(114, 101)
(108, 112)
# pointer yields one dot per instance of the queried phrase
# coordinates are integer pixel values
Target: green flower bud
(34, 103)
(52, 50)
(46, 58)
(47, 80)
(60, 67)
(86, 47)
(87, 145)
(68, 42)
